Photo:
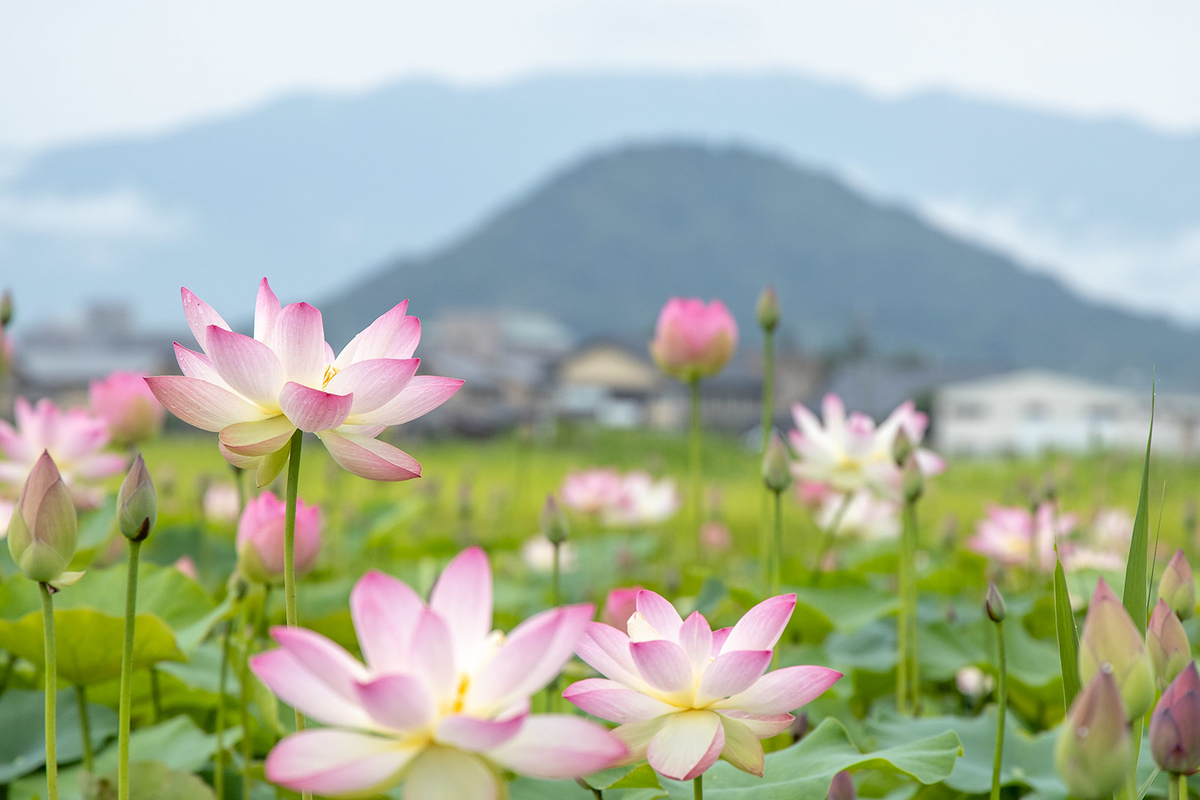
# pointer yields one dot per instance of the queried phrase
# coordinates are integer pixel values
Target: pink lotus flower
(125, 402)
(221, 503)
(686, 695)
(75, 440)
(693, 339)
(1016, 537)
(442, 702)
(590, 491)
(187, 566)
(865, 516)
(851, 453)
(643, 501)
(715, 537)
(260, 538)
(256, 392)
(619, 606)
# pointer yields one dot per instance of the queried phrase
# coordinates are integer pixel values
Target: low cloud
(120, 214)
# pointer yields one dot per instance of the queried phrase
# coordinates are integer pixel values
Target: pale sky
(71, 71)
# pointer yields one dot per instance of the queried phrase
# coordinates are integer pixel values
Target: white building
(1029, 411)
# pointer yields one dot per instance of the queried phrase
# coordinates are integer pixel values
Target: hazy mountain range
(316, 191)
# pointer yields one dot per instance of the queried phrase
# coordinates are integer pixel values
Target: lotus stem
(694, 460)
(1002, 703)
(698, 787)
(829, 537)
(219, 756)
(908, 675)
(126, 707)
(777, 555)
(51, 691)
(768, 414)
(85, 732)
(289, 548)
(1176, 789)
(244, 701)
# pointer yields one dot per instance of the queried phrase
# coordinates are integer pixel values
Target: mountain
(603, 244)
(315, 190)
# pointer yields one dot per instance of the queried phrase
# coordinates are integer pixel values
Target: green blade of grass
(1068, 636)
(1134, 597)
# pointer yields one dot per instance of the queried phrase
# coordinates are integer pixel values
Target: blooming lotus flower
(685, 695)
(442, 702)
(74, 438)
(538, 555)
(866, 516)
(591, 491)
(851, 453)
(973, 682)
(1015, 537)
(693, 339)
(221, 503)
(1111, 530)
(643, 501)
(125, 402)
(260, 538)
(256, 392)
(1175, 725)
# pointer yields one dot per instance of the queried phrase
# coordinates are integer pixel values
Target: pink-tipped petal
(247, 365)
(689, 743)
(606, 650)
(373, 382)
(423, 394)
(761, 626)
(531, 657)
(300, 344)
(337, 763)
(442, 773)
(782, 690)
(369, 458)
(259, 438)
(733, 671)
(555, 746)
(294, 684)
(385, 612)
(742, 748)
(761, 725)
(325, 659)
(375, 341)
(204, 405)
(696, 639)
(313, 410)
(614, 701)
(200, 315)
(663, 665)
(197, 365)
(266, 314)
(397, 702)
(477, 735)
(661, 615)
(462, 597)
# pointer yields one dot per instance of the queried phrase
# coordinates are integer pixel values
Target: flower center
(463, 684)
(330, 371)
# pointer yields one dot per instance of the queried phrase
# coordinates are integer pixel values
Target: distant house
(608, 383)
(1029, 411)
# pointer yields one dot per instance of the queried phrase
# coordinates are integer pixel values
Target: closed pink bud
(260, 538)
(1175, 725)
(1167, 643)
(125, 402)
(693, 339)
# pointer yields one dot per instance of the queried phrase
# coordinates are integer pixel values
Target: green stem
(219, 756)
(908, 599)
(698, 787)
(289, 549)
(768, 416)
(85, 731)
(244, 701)
(135, 550)
(555, 575)
(694, 458)
(1002, 702)
(51, 692)
(1183, 788)
(1130, 790)
(828, 540)
(1174, 789)
(777, 555)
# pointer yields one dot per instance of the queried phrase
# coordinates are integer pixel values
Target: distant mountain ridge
(601, 245)
(315, 190)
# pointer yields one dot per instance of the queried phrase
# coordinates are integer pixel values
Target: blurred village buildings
(530, 369)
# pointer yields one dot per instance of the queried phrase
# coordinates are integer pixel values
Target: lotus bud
(43, 530)
(767, 309)
(693, 339)
(1178, 587)
(619, 606)
(913, 482)
(260, 538)
(554, 521)
(842, 787)
(993, 603)
(137, 503)
(1175, 725)
(124, 401)
(902, 447)
(6, 308)
(1167, 644)
(777, 464)
(1112, 644)
(1094, 749)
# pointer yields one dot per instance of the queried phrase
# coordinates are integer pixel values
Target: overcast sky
(76, 70)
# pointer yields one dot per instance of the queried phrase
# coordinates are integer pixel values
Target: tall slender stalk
(126, 705)
(219, 756)
(244, 700)
(698, 787)
(1002, 703)
(768, 415)
(51, 657)
(777, 555)
(908, 606)
(694, 458)
(830, 535)
(289, 548)
(85, 731)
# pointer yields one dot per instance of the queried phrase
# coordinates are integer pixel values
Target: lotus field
(275, 600)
